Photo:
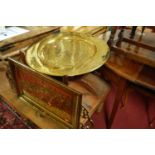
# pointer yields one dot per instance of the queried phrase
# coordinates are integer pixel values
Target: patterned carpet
(10, 119)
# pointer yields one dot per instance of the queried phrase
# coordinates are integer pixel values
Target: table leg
(122, 85)
(143, 28)
(133, 31)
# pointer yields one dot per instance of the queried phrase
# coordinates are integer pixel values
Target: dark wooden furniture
(132, 61)
(134, 28)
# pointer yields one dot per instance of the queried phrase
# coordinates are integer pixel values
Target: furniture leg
(133, 31)
(122, 84)
(143, 28)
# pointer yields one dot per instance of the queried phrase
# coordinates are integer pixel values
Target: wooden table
(133, 61)
(10, 46)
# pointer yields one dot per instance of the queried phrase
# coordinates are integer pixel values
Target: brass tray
(67, 54)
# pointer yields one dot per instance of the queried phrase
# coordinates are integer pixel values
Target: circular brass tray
(67, 54)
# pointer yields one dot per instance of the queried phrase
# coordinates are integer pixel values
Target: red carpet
(10, 119)
(132, 116)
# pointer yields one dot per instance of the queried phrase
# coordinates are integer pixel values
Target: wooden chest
(50, 96)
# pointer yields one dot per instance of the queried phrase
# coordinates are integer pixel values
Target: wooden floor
(27, 111)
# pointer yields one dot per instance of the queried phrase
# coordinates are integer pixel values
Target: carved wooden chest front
(47, 94)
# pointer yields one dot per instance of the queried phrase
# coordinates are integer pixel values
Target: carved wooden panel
(52, 97)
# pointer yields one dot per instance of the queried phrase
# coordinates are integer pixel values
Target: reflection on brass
(67, 54)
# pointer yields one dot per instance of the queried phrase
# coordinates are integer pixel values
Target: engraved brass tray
(67, 54)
